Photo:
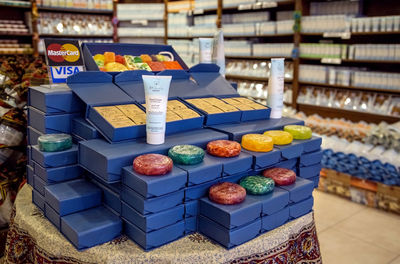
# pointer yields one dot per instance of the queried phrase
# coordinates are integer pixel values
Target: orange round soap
(152, 164)
(224, 148)
(227, 193)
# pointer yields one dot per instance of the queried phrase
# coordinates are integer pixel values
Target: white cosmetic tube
(206, 49)
(275, 87)
(156, 90)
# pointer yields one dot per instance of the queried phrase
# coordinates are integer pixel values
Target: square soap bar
(235, 165)
(270, 222)
(151, 222)
(59, 174)
(208, 170)
(151, 205)
(301, 208)
(299, 190)
(55, 159)
(272, 202)
(91, 227)
(154, 186)
(157, 238)
(229, 238)
(198, 191)
(52, 216)
(72, 196)
(265, 159)
(231, 216)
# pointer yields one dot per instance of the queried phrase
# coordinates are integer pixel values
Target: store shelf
(16, 34)
(179, 37)
(26, 6)
(354, 116)
(260, 36)
(73, 36)
(251, 78)
(354, 61)
(75, 10)
(255, 7)
(321, 34)
(140, 36)
(349, 87)
(255, 57)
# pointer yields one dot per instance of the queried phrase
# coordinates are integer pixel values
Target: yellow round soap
(257, 142)
(280, 137)
(115, 67)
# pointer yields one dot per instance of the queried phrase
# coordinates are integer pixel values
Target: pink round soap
(224, 148)
(281, 176)
(227, 193)
(152, 164)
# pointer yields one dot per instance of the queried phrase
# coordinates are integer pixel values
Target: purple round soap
(152, 164)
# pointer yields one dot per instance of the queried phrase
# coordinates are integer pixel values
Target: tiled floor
(355, 234)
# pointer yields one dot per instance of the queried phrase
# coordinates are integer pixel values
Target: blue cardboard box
(315, 180)
(291, 151)
(206, 171)
(106, 160)
(157, 238)
(29, 175)
(236, 131)
(270, 222)
(237, 177)
(153, 186)
(58, 174)
(91, 227)
(55, 159)
(311, 158)
(33, 135)
(190, 225)
(151, 222)
(198, 191)
(151, 205)
(29, 155)
(52, 216)
(235, 165)
(301, 208)
(272, 202)
(83, 129)
(61, 123)
(312, 144)
(38, 199)
(72, 196)
(111, 197)
(231, 216)
(39, 184)
(229, 238)
(191, 208)
(76, 139)
(264, 159)
(310, 171)
(299, 190)
(54, 100)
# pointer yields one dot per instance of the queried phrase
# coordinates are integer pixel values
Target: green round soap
(54, 142)
(258, 185)
(186, 154)
(299, 132)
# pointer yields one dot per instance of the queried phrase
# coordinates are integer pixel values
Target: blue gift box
(301, 208)
(311, 158)
(272, 202)
(76, 139)
(264, 159)
(286, 164)
(191, 208)
(231, 216)
(315, 180)
(111, 197)
(52, 216)
(235, 165)
(291, 151)
(54, 100)
(270, 222)
(39, 184)
(38, 199)
(29, 175)
(91, 227)
(33, 135)
(151, 205)
(206, 171)
(83, 129)
(236, 131)
(46, 124)
(299, 190)
(190, 225)
(55, 159)
(29, 155)
(310, 171)
(197, 191)
(151, 222)
(72, 196)
(157, 238)
(106, 160)
(152, 186)
(237, 177)
(58, 174)
(312, 144)
(229, 238)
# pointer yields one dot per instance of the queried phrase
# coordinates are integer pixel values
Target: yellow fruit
(98, 57)
(115, 67)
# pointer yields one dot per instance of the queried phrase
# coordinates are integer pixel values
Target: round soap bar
(186, 154)
(224, 148)
(152, 164)
(54, 142)
(227, 193)
(299, 132)
(280, 137)
(280, 176)
(257, 142)
(258, 185)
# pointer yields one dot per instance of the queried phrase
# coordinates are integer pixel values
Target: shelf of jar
(349, 87)
(260, 36)
(75, 10)
(339, 61)
(74, 36)
(13, 5)
(251, 78)
(256, 57)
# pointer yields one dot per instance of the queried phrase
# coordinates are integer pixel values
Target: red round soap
(152, 164)
(224, 148)
(227, 193)
(281, 176)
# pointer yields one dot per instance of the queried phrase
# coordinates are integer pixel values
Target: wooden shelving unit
(251, 78)
(350, 87)
(74, 10)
